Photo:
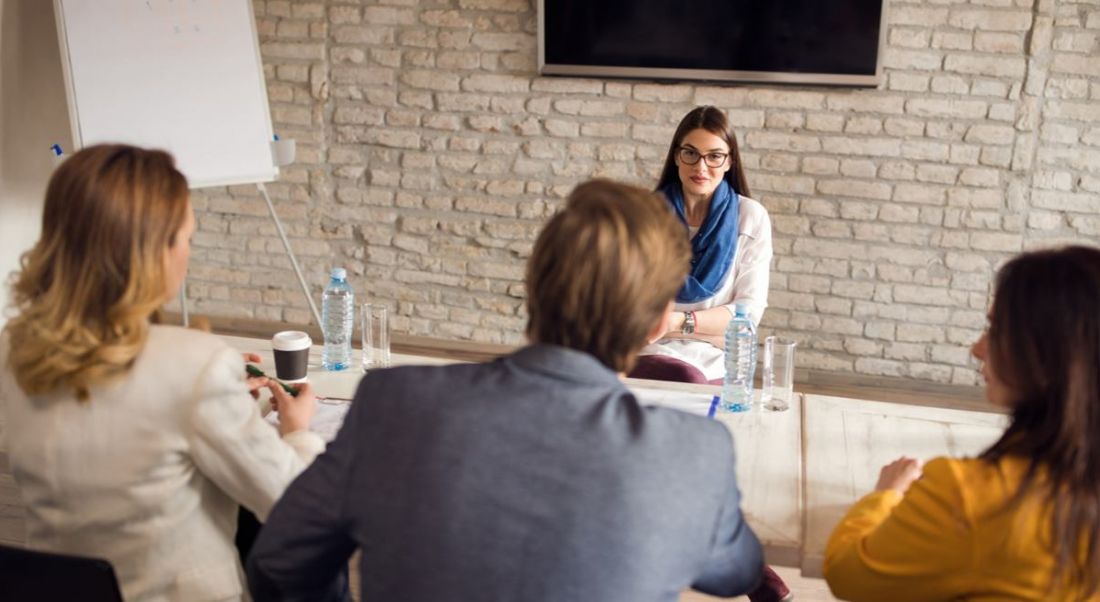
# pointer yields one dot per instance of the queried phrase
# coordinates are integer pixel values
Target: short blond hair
(87, 289)
(604, 270)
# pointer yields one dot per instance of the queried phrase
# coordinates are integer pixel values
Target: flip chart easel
(181, 75)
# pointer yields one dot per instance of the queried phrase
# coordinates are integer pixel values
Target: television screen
(791, 41)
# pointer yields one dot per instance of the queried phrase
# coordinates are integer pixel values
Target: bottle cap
(339, 274)
(741, 309)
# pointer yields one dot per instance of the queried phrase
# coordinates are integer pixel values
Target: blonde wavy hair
(85, 292)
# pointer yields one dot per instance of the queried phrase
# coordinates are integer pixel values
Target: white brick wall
(430, 154)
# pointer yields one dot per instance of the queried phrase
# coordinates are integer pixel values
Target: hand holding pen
(295, 405)
(255, 374)
(256, 378)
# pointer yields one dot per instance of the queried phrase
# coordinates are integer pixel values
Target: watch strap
(689, 323)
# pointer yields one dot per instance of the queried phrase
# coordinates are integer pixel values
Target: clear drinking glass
(778, 377)
(376, 336)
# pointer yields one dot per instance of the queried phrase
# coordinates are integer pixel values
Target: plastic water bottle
(740, 361)
(337, 321)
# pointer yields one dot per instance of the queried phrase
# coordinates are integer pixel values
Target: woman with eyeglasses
(731, 253)
(1020, 521)
(731, 244)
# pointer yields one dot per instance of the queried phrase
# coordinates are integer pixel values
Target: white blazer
(149, 472)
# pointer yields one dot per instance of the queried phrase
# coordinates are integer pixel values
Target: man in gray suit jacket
(537, 477)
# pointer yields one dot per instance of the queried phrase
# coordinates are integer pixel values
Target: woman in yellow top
(1021, 521)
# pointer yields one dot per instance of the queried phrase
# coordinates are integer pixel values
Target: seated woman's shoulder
(984, 484)
(183, 342)
(752, 205)
(965, 470)
(753, 214)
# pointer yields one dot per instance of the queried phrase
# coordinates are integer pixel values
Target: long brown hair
(604, 270)
(713, 120)
(1044, 344)
(86, 290)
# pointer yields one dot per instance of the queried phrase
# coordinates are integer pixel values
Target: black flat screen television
(835, 42)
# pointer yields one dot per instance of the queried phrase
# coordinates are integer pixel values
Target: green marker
(255, 371)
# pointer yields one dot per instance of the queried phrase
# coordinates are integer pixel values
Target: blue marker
(713, 406)
(276, 137)
(56, 150)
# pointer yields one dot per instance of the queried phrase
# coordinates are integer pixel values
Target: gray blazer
(537, 477)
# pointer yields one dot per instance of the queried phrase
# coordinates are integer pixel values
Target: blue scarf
(713, 246)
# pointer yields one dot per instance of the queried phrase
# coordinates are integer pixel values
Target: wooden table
(768, 444)
(334, 384)
(768, 447)
(798, 470)
(847, 441)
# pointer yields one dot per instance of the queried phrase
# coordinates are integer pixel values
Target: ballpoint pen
(255, 371)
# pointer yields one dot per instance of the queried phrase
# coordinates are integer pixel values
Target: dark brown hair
(1044, 344)
(713, 120)
(604, 270)
(85, 292)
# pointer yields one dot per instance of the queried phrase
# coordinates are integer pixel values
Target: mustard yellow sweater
(947, 538)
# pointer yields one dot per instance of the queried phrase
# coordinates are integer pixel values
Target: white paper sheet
(327, 421)
(693, 403)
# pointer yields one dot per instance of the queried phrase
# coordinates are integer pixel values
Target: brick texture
(430, 152)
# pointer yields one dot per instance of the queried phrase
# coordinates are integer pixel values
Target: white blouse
(746, 283)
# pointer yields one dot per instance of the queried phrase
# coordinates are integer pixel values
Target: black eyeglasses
(690, 156)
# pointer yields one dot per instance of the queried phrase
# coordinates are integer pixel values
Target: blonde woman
(131, 441)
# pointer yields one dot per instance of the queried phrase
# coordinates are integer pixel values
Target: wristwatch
(689, 323)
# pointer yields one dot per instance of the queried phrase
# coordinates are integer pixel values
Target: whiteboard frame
(74, 114)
